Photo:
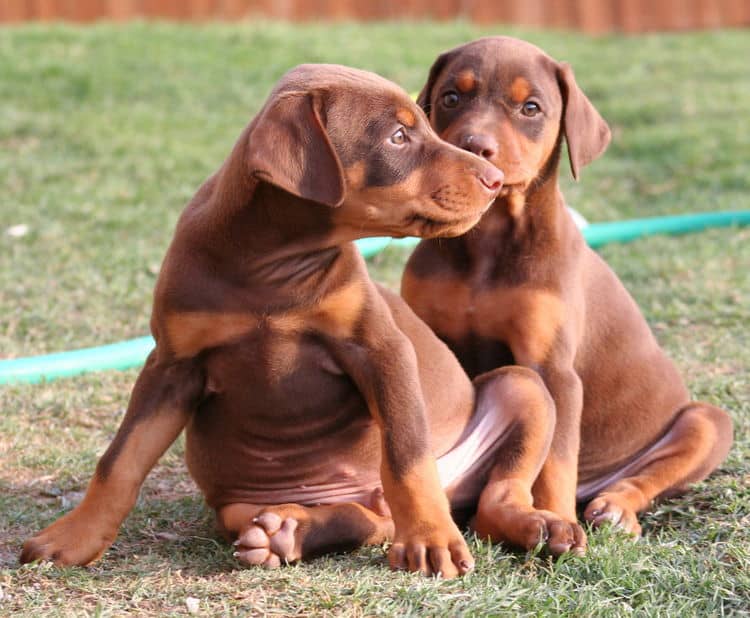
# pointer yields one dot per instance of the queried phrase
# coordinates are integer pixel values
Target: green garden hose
(132, 353)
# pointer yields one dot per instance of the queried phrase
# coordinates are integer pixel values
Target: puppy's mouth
(456, 201)
(517, 176)
(430, 227)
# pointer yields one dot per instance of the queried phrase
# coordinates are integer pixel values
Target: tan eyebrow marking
(406, 117)
(520, 89)
(466, 80)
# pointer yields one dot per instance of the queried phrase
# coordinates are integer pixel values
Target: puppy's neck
(238, 215)
(521, 230)
(522, 215)
(261, 239)
(532, 206)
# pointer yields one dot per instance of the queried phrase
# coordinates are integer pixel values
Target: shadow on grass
(180, 532)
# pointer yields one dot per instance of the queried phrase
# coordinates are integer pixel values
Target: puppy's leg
(696, 443)
(269, 536)
(552, 357)
(159, 407)
(506, 512)
(384, 367)
(555, 486)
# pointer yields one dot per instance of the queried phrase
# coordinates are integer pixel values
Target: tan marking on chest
(338, 313)
(527, 320)
(466, 81)
(190, 332)
(445, 305)
(287, 323)
(520, 89)
(281, 358)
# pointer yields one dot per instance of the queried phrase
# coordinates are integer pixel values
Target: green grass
(106, 132)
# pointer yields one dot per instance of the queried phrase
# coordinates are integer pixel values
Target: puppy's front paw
(431, 550)
(74, 539)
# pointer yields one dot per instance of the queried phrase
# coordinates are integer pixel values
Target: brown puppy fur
(522, 287)
(298, 380)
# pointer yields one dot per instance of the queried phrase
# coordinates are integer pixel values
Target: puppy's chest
(483, 321)
(457, 310)
(288, 366)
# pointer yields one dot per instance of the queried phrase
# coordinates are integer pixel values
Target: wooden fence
(595, 16)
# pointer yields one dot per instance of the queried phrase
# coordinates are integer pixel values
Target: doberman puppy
(303, 386)
(523, 287)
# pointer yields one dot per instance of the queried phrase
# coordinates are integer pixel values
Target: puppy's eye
(530, 108)
(399, 137)
(450, 99)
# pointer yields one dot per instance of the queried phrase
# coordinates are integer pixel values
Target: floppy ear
(289, 147)
(585, 130)
(425, 96)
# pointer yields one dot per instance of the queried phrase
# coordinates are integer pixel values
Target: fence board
(594, 16)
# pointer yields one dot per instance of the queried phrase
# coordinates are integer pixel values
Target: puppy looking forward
(523, 287)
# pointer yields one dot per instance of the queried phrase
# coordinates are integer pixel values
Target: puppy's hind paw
(269, 540)
(607, 508)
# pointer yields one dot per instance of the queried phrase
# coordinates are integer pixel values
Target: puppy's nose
(482, 145)
(491, 177)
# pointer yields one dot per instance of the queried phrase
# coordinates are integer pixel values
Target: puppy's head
(357, 143)
(509, 102)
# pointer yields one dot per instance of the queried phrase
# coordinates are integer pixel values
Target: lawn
(106, 132)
